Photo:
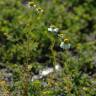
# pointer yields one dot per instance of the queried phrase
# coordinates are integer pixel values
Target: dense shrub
(27, 46)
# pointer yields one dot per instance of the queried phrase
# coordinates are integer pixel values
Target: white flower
(34, 6)
(53, 29)
(62, 45)
(39, 10)
(31, 4)
(56, 30)
(50, 29)
(65, 46)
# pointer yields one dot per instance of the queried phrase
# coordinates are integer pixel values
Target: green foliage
(26, 45)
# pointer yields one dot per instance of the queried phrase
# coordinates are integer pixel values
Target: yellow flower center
(66, 40)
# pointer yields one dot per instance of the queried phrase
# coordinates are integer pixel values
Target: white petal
(62, 45)
(50, 29)
(67, 46)
(56, 30)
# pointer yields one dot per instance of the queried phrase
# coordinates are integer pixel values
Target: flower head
(50, 29)
(31, 4)
(39, 10)
(64, 45)
(66, 40)
(53, 29)
(56, 30)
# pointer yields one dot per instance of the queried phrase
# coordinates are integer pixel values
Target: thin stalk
(26, 72)
(53, 53)
(52, 49)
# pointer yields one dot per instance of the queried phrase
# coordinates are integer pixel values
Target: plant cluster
(37, 34)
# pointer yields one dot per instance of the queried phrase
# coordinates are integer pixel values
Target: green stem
(53, 53)
(26, 72)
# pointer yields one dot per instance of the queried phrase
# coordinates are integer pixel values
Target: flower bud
(31, 4)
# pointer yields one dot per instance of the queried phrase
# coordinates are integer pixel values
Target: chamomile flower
(39, 10)
(66, 40)
(64, 45)
(50, 29)
(56, 30)
(31, 4)
(53, 29)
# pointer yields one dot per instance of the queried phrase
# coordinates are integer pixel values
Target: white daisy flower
(53, 29)
(56, 30)
(65, 46)
(31, 4)
(50, 29)
(39, 10)
(62, 45)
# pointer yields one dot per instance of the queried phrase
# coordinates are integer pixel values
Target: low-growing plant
(37, 34)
